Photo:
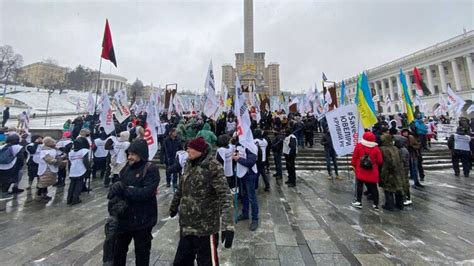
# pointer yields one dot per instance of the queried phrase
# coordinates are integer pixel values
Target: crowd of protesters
(206, 165)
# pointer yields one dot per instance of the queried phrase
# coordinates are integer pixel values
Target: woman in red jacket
(366, 160)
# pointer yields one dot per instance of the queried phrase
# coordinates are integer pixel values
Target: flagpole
(96, 96)
(97, 86)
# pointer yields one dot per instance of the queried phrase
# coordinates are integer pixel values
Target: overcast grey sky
(164, 42)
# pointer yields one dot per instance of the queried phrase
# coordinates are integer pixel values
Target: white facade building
(449, 63)
(111, 83)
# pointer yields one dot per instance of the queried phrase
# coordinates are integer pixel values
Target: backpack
(6, 155)
(366, 162)
(109, 145)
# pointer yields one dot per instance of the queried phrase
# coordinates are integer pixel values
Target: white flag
(243, 119)
(226, 94)
(293, 101)
(470, 109)
(455, 102)
(106, 115)
(90, 104)
(122, 111)
(178, 104)
(328, 97)
(151, 135)
(210, 106)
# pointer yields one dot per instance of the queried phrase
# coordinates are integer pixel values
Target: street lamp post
(50, 91)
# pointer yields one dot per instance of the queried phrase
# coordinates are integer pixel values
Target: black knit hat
(139, 147)
(80, 143)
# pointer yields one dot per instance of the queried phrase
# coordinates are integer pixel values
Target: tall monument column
(248, 32)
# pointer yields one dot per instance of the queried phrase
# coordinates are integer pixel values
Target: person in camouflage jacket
(391, 174)
(203, 197)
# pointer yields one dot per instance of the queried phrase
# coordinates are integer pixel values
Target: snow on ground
(37, 100)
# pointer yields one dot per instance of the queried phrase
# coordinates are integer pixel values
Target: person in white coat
(118, 159)
(79, 169)
(261, 158)
(100, 155)
(9, 170)
(224, 156)
(48, 168)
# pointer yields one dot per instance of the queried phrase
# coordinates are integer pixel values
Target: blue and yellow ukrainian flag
(406, 97)
(365, 104)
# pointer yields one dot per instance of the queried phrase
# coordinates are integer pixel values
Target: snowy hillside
(37, 100)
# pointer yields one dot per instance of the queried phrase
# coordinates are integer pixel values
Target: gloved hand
(228, 238)
(173, 213)
(117, 188)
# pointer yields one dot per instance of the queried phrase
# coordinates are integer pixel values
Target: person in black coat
(329, 153)
(137, 186)
(32, 163)
(277, 150)
(171, 145)
(309, 131)
(6, 116)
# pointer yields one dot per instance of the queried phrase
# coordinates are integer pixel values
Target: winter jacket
(413, 146)
(462, 132)
(327, 143)
(140, 181)
(277, 143)
(401, 144)
(207, 134)
(203, 197)
(367, 146)
(171, 146)
(392, 168)
(421, 128)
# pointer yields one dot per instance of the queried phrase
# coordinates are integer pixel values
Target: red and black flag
(421, 86)
(107, 45)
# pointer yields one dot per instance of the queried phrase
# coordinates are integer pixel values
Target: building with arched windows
(448, 63)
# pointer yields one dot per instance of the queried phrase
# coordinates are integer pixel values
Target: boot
(254, 225)
(242, 217)
(389, 201)
(399, 200)
(16, 190)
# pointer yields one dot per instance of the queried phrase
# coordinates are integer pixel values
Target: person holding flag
(246, 158)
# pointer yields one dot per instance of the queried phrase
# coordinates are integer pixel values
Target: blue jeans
(331, 156)
(278, 166)
(248, 195)
(414, 170)
(173, 177)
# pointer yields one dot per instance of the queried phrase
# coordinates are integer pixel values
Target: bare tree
(9, 62)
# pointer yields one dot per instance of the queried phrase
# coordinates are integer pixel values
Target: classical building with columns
(448, 63)
(112, 83)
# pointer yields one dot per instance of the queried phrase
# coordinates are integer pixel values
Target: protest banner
(445, 130)
(344, 127)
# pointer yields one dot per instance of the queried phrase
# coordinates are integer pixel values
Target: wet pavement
(312, 224)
